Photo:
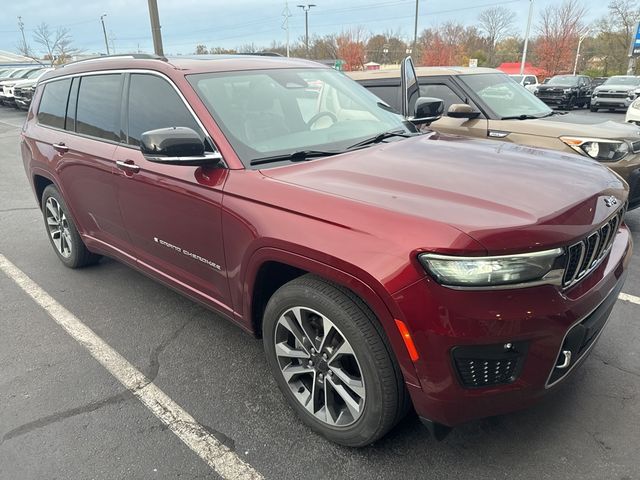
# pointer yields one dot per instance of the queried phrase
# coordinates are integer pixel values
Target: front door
(171, 212)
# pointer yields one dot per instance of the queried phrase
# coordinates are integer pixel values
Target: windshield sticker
(187, 253)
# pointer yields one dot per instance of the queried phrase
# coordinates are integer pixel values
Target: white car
(7, 88)
(530, 82)
(633, 112)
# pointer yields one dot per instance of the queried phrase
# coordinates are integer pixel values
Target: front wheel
(63, 234)
(331, 361)
(593, 109)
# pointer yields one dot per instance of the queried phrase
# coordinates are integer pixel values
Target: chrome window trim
(132, 70)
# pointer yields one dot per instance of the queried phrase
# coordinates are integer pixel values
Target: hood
(507, 197)
(555, 87)
(616, 88)
(559, 125)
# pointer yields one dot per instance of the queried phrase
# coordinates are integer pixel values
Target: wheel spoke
(52, 222)
(343, 349)
(327, 329)
(294, 327)
(312, 401)
(53, 210)
(284, 350)
(353, 383)
(291, 371)
(352, 405)
(328, 404)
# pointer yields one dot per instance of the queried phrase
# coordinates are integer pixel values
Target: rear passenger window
(154, 103)
(390, 94)
(53, 105)
(98, 110)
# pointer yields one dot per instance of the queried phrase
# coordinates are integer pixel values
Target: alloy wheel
(320, 366)
(58, 227)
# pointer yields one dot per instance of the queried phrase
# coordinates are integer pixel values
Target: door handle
(128, 166)
(60, 147)
(565, 359)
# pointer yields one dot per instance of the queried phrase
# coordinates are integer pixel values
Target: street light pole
(155, 28)
(306, 9)
(580, 40)
(526, 38)
(415, 28)
(24, 40)
(104, 31)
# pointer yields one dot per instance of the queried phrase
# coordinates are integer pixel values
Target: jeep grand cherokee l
(485, 103)
(379, 265)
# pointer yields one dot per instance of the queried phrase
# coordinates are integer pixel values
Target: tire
(67, 243)
(593, 109)
(571, 103)
(378, 386)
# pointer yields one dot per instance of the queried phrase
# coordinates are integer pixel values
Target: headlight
(636, 104)
(603, 150)
(498, 271)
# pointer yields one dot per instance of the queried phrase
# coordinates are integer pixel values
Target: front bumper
(611, 102)
(554, 99)
(442, 320)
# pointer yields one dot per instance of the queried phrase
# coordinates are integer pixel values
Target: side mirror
(427, 110)
(176, 146)
(462, 110)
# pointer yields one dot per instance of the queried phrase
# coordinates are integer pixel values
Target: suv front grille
(586, 255)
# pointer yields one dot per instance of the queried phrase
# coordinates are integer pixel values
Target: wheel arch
(269, 268)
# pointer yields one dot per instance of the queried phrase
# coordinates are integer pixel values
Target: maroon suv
(382, 267)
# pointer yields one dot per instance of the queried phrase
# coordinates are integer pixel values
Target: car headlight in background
(603, 150)
(496, 271)
(636, 104)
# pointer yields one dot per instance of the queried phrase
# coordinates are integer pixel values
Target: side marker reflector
(408, 341)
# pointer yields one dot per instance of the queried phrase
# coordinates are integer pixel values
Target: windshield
(517, 78)
(17, 73)
(622, 80)
(563, 80)
(266, 113)
(505, 97)
(35, 73)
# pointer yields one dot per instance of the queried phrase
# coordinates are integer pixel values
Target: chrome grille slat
(585, 255)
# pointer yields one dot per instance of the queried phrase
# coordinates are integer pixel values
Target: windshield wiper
(299, 156)
(382, 136)
(519, 117)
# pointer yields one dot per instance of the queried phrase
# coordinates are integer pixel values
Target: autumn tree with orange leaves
(352, 48)
(558, 29)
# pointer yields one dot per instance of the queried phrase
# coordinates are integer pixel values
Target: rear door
(80, 127)
(171, 212)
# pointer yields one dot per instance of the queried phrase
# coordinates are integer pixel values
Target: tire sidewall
(370, 420)
(77, 245)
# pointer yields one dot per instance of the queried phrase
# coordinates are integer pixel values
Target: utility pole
(415, 29)
(526, 38)
(306, 9)
(104, 31)
(580, 40)
(155, 28)
(286, 13)
(24, 40)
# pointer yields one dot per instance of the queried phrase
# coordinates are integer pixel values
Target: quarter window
(53, 105)
(98, 110)
(154, 103)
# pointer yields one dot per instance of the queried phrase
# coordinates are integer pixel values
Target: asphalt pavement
(64, 416)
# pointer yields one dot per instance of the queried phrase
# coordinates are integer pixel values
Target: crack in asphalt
(622, 369)
(18, 209)
(59, 416)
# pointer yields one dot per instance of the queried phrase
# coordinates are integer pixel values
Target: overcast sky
(186, 23)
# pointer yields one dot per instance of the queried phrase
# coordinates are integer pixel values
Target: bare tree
(56, 46)
(497, 24)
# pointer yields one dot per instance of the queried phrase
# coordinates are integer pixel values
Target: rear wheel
(332, 362)
(63, 234)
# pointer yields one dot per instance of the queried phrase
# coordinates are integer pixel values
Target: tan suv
(486, 103)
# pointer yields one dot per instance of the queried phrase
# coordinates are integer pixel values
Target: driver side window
(441, 91)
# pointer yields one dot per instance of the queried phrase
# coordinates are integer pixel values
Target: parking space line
(218, 456)
(629, 298)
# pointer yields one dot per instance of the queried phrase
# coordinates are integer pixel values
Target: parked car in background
(486, 103)
(530, 82)
(566, 91)
(17, 73)
(616, 93)
(633, 113)
(370, 258)
(597, 81)
(8, 86)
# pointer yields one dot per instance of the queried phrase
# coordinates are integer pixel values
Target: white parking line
(219, 457)
(629, 298)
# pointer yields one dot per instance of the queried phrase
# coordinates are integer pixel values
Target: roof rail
(145, 56)
(261, 54)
